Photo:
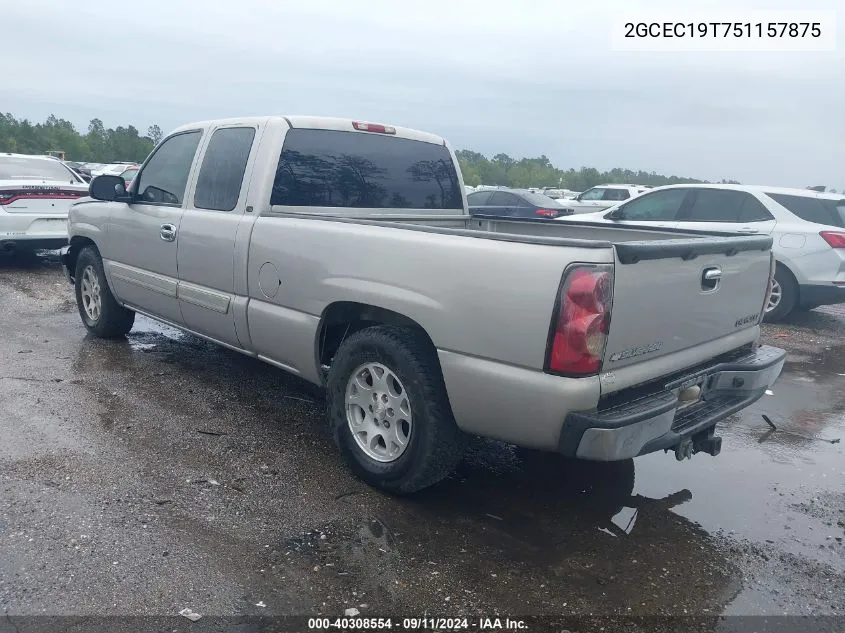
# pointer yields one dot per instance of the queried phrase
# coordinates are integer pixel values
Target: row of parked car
(548, 202)
(87, 171)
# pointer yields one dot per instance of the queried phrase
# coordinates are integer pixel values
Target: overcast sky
(524, 77)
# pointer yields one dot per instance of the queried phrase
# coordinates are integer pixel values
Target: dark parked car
(84, 173)
(515, 203)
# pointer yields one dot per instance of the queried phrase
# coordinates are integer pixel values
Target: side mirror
(108, 188)
(616, 214)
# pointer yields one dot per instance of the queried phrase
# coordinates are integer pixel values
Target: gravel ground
(143, 476)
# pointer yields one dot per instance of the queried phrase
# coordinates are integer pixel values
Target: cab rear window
(816, 210)
(331, 168)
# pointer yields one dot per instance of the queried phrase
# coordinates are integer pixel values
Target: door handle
(748, 229)
(168, 232)
(710, 278)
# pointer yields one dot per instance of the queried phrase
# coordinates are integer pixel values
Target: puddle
(758, 487)
(148, 334)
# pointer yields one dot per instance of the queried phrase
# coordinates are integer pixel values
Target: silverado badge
(636, 351)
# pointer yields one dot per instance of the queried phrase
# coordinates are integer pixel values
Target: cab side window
(165, 176)
(223, 167)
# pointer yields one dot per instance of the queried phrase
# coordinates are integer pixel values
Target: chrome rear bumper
(659, 420)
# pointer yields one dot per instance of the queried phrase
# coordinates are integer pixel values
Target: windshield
(22, 168)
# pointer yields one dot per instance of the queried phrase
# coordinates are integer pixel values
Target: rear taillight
(547, 213)
(373, 127)
(834, 238)
(581, 322)
(10, 196)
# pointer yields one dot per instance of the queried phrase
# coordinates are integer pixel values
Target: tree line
(105, 145)
(99, 144)
(539, 172)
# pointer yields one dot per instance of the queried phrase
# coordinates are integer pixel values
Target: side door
(659, 208)
(726, 210)
(588, 201)
(207, 236)
(142, 235)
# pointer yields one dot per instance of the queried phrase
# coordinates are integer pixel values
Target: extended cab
(342, 252)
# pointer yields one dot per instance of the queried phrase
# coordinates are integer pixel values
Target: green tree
(99, 143)
(154, 134)
(506, 171)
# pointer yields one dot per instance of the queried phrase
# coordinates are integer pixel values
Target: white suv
(808, 230)
(603, 197)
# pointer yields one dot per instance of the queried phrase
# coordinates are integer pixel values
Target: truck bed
(632, 239)
(663, 317)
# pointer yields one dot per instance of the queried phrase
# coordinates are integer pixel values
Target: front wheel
(101, 314)
(389, 412)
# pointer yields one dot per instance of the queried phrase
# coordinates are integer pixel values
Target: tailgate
(676, 294)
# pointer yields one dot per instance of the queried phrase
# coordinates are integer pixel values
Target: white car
(603, 197)
(35, 195)
(112, 169)
(560, 194)
(808, 228)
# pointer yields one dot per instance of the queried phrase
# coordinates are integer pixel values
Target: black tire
(789, 295)
(435, 443)
(113, 320)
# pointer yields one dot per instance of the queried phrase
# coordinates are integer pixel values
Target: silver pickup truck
(342, 252)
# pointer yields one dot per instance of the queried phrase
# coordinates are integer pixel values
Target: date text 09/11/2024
(412, 624)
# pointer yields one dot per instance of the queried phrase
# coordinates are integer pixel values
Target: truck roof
(315, 123)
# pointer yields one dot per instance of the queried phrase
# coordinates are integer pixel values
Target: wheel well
(795, 284)
(788, 271)
(77, 243)
(343, 318)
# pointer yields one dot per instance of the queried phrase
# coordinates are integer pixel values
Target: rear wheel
(389, 412)
(783, 297)
(101, 314)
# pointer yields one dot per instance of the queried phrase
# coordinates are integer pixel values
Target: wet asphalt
(160, 472)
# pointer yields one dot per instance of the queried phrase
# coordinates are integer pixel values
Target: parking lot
(161, 472)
